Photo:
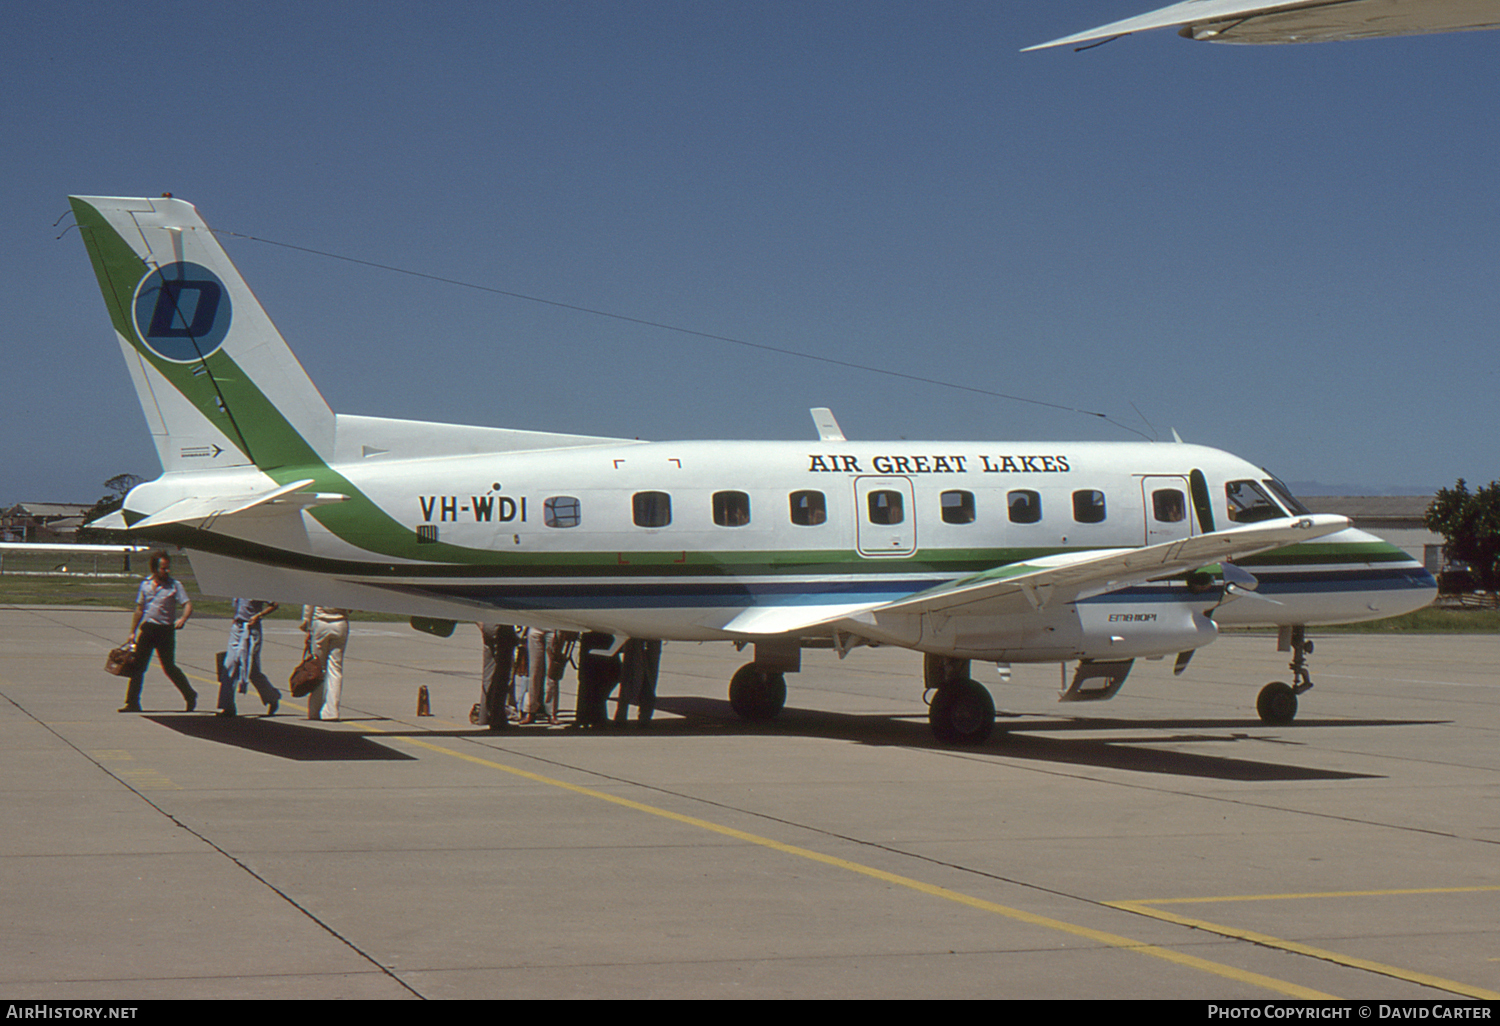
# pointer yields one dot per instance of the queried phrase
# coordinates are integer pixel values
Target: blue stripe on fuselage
(672, 595)
(723, 594)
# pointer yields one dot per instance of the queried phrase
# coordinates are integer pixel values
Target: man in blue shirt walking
(161, 608)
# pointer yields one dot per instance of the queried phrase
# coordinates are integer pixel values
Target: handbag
(308, 674)
(121, 661)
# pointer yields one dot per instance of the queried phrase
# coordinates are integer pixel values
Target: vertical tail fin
(216, 380)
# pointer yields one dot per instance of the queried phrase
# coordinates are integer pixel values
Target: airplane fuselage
(677, 540)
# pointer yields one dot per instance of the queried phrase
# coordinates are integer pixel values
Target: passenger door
(885, 516)
(1168, 512)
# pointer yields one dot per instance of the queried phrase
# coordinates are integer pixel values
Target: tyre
(962, 713)
(756, 694)
(1277, 703)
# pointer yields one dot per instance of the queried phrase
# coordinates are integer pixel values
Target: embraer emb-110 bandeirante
(1094, 553)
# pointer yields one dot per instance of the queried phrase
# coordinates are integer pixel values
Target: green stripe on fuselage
(1306, 553)
(608, 565)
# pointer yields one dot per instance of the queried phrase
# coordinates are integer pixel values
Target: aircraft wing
(1017, 588)
(211, 507)
(1300, 21)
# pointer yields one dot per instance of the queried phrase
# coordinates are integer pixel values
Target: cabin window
(652, 509)
(1169, 506)
(886, 507)
(1249, 503)
(958, 507)
(809, 509)
(1025, 506)
(731, 509)
(561, 511)
(1088, 506)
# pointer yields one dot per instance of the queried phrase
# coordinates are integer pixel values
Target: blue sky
(1287, 252)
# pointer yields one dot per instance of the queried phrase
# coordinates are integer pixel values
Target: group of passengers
(162, 608)
(522, 669)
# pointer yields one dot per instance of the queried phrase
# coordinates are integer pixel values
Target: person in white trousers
(328, 634)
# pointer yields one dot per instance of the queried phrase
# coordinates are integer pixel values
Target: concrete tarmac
(1165, 844)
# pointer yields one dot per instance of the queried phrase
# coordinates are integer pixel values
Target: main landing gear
(961, 711)
(1277, 702)
(757, 694)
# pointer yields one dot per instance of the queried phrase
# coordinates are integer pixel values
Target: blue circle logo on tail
(182, 312)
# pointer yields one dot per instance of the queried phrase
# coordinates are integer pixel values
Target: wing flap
(767, 621)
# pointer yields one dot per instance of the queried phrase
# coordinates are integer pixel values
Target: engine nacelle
(1124, 629)
(1109, 627)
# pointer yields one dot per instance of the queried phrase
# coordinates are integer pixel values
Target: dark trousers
(639, 663)
(499, 660)
(160, 638)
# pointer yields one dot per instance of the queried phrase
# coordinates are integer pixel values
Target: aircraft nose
(1345, 577)
(1402, 583)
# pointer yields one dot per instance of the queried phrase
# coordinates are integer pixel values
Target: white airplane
(1300, 21)
(1099, 553)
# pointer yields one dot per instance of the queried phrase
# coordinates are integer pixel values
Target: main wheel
(757, 694)
(1277, 703)
(962, 713)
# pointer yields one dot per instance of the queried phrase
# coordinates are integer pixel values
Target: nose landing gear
(1277, 702)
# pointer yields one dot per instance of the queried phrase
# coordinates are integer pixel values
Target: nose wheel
(1277, 702)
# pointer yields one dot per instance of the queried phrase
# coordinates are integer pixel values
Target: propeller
(1241, 583)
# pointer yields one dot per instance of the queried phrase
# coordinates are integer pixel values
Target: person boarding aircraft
(1094, 553)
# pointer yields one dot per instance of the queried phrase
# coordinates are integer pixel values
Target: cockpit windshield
(1282, 492)
(1249, 503)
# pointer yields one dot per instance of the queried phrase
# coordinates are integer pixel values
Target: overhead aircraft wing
(1017, 588)
(211, 507)
(1300, 21)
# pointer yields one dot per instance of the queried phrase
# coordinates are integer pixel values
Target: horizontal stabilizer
(211, 507)
(109, 522)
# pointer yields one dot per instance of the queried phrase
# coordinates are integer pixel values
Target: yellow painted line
(1437, 982)
(148, 780)
(932, 890)
(1320, 894)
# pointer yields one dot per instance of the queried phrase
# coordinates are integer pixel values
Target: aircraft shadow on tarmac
(1102, 743)
(1105, 743)
(283, 738)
